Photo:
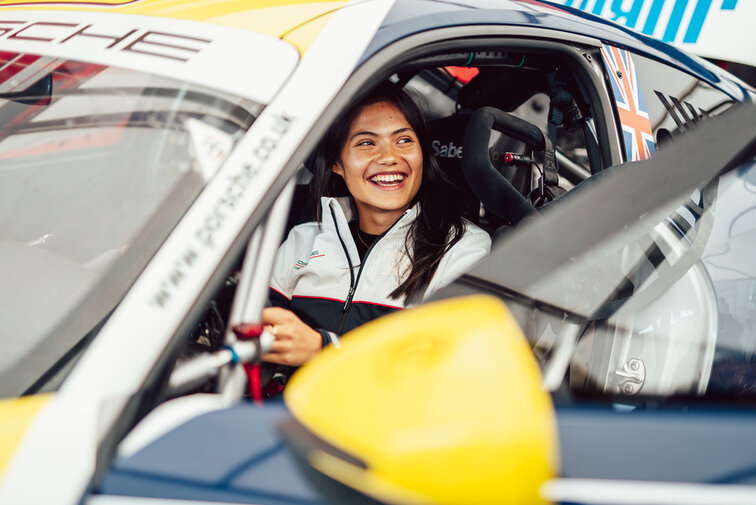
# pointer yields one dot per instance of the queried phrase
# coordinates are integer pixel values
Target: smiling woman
(389, 230)
(382, 165)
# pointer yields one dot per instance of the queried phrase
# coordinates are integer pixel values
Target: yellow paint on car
(32, 3)
(15, 417)
(304, 35)
(443, 403)
(270, 17)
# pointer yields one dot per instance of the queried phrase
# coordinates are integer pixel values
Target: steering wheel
(493, 189)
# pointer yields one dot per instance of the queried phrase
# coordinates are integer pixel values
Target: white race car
(152, 159)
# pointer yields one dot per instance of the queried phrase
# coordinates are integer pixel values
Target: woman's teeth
(387, 179)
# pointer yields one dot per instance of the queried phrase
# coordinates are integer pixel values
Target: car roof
(285, 19)
(409, 17)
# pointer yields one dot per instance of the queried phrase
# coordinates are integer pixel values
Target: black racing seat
(447, 145)
(446, 136)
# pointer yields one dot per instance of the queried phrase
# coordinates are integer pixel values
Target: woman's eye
(405, 140)
(365, 143)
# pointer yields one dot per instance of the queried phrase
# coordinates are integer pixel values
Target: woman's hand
(295, 343)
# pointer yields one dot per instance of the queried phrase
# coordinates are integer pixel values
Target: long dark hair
(439, 223)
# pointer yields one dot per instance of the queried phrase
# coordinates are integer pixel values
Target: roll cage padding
(493, 189)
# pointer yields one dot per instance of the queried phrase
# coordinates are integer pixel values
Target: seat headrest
(447, 136)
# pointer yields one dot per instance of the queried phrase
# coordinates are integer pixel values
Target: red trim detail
(344, 301)
(541, 4)
(378, 304)
(277, 291)
(320, 298)
(318, 256)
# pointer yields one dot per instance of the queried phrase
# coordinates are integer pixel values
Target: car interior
(521, 119)
(515, 131)
(512, 131)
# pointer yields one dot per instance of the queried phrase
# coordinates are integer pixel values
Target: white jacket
(312, 270)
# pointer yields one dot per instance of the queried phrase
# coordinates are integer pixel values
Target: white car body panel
(70, 427)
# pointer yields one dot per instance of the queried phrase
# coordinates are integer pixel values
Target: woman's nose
(387, 155)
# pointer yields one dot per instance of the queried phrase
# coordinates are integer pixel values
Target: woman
(388, 231)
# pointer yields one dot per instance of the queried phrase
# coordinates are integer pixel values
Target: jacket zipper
(352, 281)
(352, 287)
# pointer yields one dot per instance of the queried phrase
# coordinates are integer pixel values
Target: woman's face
(381, 161)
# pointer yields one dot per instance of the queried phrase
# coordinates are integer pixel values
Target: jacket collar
(342, 209)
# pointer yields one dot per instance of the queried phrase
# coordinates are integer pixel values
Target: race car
(153, 157)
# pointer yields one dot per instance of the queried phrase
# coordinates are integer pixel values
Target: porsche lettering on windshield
(159, 44)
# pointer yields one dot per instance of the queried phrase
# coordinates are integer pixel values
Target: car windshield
(97, 163)
(641, 283)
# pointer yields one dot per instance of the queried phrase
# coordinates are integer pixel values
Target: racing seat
(302, 203)
(446, 136)
(447, 139)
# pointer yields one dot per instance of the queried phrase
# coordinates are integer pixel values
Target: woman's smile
(388, 180)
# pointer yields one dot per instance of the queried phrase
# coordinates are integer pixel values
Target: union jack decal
(633, 114)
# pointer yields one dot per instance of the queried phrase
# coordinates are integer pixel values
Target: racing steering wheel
(493, 189)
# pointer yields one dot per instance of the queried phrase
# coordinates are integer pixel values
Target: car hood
(297, 21)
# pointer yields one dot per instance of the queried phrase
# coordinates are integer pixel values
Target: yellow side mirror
(436, 404)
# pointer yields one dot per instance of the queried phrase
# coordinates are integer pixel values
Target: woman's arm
(295, 342)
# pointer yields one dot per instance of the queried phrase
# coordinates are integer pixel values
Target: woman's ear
(338, 169)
